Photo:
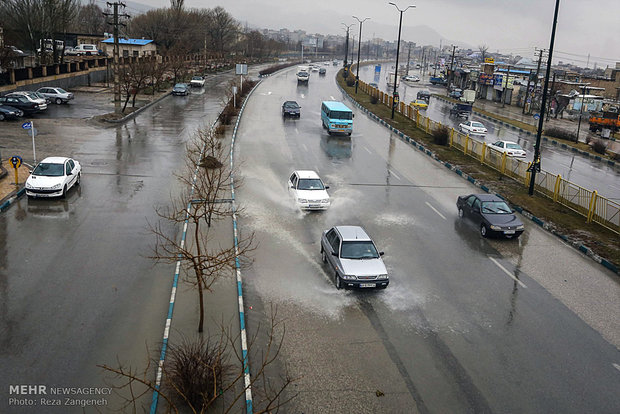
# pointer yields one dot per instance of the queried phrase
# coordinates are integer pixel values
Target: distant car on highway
(308, 190)
(410, 78)
(22, 103)
(473, 128)
(456, 94)
(291, 108)
(512, 149)
(491, 214)
(53, 177)
(56, 94)
(322, 71)
(180, 89)
(424, 95)
(419, 103)
(354, 258)
(198, 81)
(8, 112)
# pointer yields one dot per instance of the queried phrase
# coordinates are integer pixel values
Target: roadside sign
(489, 60)
(16, 160)
(241, 69)
(536, 116)
(27, 125)
(32, 131)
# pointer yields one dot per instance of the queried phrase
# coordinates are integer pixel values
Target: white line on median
(332, 98)
(435, 210)
(392, 172)
(616, 366)
(370, 152)
(508, 273)
(305, 148)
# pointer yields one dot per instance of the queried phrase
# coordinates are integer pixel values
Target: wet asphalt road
(583, 171)
(467, 325)
(76, 285)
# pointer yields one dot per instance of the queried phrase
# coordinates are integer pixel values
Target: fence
(588, 203)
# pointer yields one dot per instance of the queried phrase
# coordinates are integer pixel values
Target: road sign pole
(34, 151)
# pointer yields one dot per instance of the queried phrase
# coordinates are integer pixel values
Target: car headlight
(28, 185)
(494, 227)
(302, 200)
(384, 276)
(521, 227)
(56, 186)
(325, 201)
(349, 277)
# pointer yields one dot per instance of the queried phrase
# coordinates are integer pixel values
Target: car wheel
(77, 182)
(64, 192)
(483, 230)
(461, 212)
(323, 255)
(329, 132)
(58, 101)
(337, 281)
(1, 117)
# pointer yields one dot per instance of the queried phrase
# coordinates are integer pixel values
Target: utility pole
(451, 78)
(551, 91)
(527, 92)
(535, 81)
(115, 23)
(506, 88)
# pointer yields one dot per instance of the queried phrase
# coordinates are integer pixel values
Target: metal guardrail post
(592, 206)
(484, 151)
(428, 125)
(451, 137)
(504, 158)
(556, 189)
(417, 117)
(527, 173)
(466, 144)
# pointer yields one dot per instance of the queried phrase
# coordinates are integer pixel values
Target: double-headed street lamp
(400, 24)
(346, 44)
(359, 48)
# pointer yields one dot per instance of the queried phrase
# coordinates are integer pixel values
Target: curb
(546, 226)
(137, 111)
(562, 145)
(6, 202)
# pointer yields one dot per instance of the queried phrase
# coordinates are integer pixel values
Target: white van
(86, 50)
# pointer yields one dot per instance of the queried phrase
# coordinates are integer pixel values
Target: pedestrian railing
(588, 203)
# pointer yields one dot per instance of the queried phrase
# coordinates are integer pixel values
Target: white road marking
(305, 148)
(435, 210)
(508, 273)
(332, 98)
(303, 96)
(370, 152)
(392, 172)
(616, 366)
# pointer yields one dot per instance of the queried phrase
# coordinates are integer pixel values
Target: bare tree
(90, 19)
(222, 29)
(483, 49)
(133, 78)
(203, 259)
(198, 373)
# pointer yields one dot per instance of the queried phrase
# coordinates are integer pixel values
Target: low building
(130, 47)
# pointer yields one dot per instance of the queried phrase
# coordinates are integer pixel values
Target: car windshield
(179, 86)
(513, 146)
(358, 250)
(303, 73)
(49, 170)
(495, 207)
(477, 125)
(196, 78)
(341, 115)
(291, 105)
(310, 184)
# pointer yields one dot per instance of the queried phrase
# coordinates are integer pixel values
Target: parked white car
(308, 190)
(87, 50)
(198, 81)
(512, 149)
(30, 96)
(53, 177)
(57, 95)
(473, 128)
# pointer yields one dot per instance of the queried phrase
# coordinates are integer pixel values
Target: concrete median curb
(137, 111)
(6, 202)
(546, 226)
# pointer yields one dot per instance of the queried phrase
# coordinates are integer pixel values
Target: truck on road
(604, 120)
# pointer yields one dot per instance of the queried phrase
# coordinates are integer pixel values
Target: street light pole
(536, 162)
(359, 48)
(346, 44)
(400, 24)
(583, 97)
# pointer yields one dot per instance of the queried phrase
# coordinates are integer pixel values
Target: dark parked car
(424, 95)
(354, 258)
(491, 214)
(22, 103)
(291, 108)
(322, 71)
(8, 112)
(180, 89)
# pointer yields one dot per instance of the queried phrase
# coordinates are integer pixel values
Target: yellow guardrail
(590, 204)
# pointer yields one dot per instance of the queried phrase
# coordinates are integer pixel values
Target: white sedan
(473, 128)
(53, 177)
(308, 190)
(198, 81)
(511, 149)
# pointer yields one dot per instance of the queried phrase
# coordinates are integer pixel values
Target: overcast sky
(510, 26)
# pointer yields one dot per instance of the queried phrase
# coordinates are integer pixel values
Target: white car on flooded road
(53, 177)
(308, 190)
(512, 149)
(473, 128)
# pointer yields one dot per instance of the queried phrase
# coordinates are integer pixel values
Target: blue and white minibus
(336, 117)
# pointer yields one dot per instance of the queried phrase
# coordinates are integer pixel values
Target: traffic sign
(32, 131)
(536, 116)
(27, 125)
(16, 160)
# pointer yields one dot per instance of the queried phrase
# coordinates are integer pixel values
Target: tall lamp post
(535, 167)
(583, 96)
(400, 24)
(346, 44)
(359, 48)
